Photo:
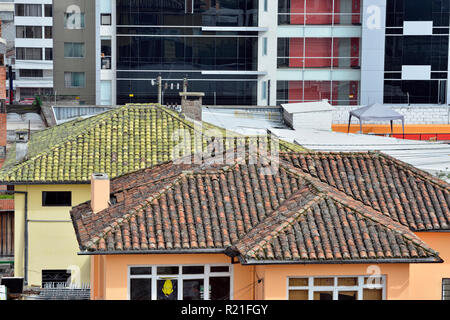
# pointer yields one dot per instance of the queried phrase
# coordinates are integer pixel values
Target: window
(28, 10)
(74, 79)
(179, 282)
(106, 54)
(446, 289)
(336, 288)
(74, 20)
(54, 277)
(105, 19)
(264, 90)
(264, 46)
(56, 199)
(29, 53)
(48, 32)
(29, 32)
(266, 5)
(31, 73)
(73, 50)
(48, 54)
(48, 10)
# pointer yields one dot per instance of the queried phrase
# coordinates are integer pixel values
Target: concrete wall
(88, 37)
(413, 115)
(372, 51)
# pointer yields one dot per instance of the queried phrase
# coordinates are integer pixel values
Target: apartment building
(251, 52)
(34, 48)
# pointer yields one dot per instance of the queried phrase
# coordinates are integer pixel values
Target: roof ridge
(344, 200)
(378, 217)
(279, 228)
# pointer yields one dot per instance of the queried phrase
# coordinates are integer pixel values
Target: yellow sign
(167, 288)
(131, 95)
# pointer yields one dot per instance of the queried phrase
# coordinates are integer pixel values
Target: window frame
(68, 15)
(311, 288)
(72, 86)
(105, 15)
(205, 276)
(72, 44)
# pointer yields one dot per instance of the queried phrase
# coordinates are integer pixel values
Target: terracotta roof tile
(289, 216)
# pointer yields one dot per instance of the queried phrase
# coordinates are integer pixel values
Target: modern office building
(250, 52)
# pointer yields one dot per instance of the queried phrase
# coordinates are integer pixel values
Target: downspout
(25, 231)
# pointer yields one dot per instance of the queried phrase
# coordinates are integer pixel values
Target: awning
(376, 112)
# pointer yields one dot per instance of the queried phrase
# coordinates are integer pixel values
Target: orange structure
(317, 226)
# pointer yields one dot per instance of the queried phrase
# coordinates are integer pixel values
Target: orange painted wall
(386, 128)
(116, 270)
(109, 279)
(426, 279)
(275, 277)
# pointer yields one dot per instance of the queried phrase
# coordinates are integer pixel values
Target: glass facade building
(169, 38)
(417, 38)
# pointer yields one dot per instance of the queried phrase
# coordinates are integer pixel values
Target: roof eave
(164, 251)
(252, 262)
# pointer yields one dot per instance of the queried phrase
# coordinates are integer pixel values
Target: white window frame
(311, 288)
(180, 277)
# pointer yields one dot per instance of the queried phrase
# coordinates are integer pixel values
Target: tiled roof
(398, 190)
(287, 216)
(116, 142)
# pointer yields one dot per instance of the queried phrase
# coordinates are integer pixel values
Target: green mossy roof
(116, 142)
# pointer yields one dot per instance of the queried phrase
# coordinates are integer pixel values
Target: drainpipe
(25, 278)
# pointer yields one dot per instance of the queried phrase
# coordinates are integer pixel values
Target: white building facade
(34, 48)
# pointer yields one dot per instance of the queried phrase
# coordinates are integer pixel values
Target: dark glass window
(168, 270)
(188, 12)
(398, 11)
(140, 289)
(415, 91)
(48, 10)
(220, 288)
(193, 289)
(141, 271)
(57, 199)
(193, 270)
(416, 50)
(31, 73)
(187, 53)
(48, 54)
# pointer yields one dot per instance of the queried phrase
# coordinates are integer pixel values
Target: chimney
(100, 192)
(22, 137)
(191, 104)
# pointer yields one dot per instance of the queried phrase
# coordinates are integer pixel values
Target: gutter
(356, 261)
(25, 231)
(163, 251)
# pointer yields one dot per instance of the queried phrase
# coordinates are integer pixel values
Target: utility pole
(185, 85)
(159, 79)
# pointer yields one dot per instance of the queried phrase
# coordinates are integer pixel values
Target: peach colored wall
(275, 277)
(110, 280)
(426, 278)
(116, 272)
